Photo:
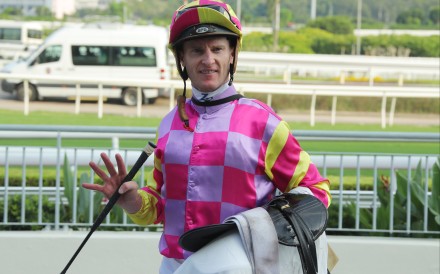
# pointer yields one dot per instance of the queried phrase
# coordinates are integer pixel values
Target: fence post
(334, 101)
(312, 109)
(384, 111)
(26, 97)
(100, 101)
(58, 183)
(77, 99)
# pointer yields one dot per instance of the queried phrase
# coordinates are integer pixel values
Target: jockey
(218, 153)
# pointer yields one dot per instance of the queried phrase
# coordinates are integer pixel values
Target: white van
(18, 39)
(106, 52)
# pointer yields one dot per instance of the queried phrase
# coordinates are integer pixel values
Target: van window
(90, 55)
(113, 56)
(134, 56)
(50, 54)
(13, 34)
(34, 34)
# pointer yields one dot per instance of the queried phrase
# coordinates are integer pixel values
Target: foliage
(412, 16)
(83, 199)
(434, 15)
(319, 41)
(417, 184)
(257, 41)
(333, 24)
(337, 44)
(30, 214)
(291, 42)
(420, 47)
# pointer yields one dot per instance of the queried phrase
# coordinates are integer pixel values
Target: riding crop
(146, 152)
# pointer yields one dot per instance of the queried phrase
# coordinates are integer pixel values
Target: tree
(43, 11)
(410, 17)
(12, 11)
(333, 24)
(434, 15)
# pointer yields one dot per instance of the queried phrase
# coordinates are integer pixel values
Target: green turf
(51, 118)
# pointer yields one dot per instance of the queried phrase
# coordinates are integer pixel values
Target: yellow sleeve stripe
(275, 146)
(300, 170)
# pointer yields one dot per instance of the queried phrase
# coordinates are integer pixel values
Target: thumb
(128, 186)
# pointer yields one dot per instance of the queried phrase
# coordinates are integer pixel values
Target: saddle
(298, 219)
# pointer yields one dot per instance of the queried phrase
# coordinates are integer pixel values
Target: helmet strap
(231, 73)
(184, 74)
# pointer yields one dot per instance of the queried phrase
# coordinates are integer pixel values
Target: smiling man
(218, 154)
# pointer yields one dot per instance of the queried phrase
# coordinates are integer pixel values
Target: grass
(52, 118)
(83, 119)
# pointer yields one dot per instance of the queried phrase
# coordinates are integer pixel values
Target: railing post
(139, 101)
(23, 188)
(334, 101)
(100, 101)
(40, 186)
(58, 183)
(342, 78)
(408, 197)
(392, 110)
(115, 143)
(6, 195)
(269, 99)
(26, 97)
(384, 111)
(172, 97)
(77, 99)
(371, 77)
(312, 109)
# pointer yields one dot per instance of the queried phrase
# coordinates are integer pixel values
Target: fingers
(121, 165)
(110, 167)
(95, 187)
(99, 171)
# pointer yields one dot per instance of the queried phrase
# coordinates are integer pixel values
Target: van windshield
(91, 55)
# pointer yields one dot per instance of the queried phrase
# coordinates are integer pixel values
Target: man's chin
(207, 88)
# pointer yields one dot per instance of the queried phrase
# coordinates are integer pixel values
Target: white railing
(400, 68)
(334, 91)
(343, 167)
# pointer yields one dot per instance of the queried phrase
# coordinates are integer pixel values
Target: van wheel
(33, 95)
(129, 97)
(151, 101)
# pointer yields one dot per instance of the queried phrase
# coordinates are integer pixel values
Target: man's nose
(208, 57)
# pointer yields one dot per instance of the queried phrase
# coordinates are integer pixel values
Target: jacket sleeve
(152, 203)
(288, 166)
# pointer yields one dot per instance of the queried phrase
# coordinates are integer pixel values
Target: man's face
(207, 61)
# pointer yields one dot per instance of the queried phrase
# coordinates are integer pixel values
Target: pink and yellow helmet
(203, 18)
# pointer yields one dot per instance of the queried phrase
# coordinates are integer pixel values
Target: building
(27, 6)
(59, 8)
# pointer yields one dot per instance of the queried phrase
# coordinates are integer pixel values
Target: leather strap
(217, 102)
(306, 248)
